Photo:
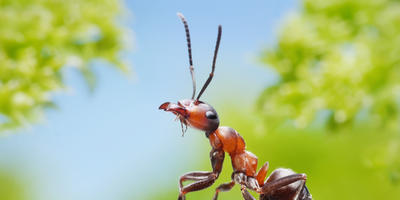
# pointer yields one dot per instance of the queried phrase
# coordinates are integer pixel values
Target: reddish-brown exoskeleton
(282, 184)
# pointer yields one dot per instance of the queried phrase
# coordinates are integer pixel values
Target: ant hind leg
(271, 186)
(284, 184)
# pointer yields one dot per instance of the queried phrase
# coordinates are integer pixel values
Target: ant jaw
(164, 106)
(178, 110)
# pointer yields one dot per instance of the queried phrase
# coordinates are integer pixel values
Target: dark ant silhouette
(282, 184)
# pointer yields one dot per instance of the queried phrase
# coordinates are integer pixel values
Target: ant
(282, 184)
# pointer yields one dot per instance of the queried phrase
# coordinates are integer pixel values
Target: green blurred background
(311, 85)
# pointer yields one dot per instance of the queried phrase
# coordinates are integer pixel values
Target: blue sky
(115, 142)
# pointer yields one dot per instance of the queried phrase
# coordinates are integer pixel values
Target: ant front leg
(193, 176)
(203, 179)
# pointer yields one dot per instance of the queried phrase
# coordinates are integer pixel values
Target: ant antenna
(213, 63)
(189, 51)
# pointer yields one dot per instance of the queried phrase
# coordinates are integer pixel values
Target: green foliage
(39, 38)
(339, 65)
(10, 188)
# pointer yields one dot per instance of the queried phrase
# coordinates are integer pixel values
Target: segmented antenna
(189, 51)
(213, 63)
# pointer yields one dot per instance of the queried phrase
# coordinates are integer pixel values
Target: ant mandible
(282, 184)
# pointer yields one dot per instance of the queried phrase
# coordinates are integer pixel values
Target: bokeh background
(311, 85)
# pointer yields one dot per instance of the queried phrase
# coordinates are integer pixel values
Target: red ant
(282, 184)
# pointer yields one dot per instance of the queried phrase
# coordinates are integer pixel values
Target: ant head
(196, 114)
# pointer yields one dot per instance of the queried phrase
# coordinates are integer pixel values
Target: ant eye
(211, 115)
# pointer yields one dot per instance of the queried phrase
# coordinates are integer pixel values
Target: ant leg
(262, 173)
(203, 180)
(246, 194)
(193, 176)
(302, 191)
(245, 182)
(199, 185)
(301, 186)
(271, 186)
(223, 188)
(305, 194)
(284, 184)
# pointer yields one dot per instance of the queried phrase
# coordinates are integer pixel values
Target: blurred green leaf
(39, 38)
(11, 188)
(339, 65)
